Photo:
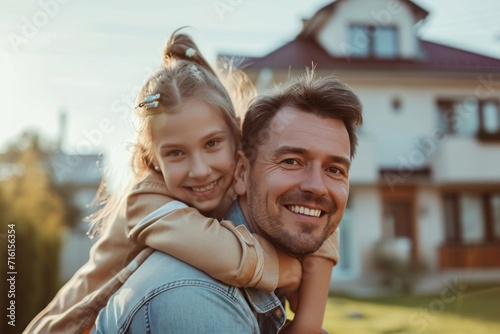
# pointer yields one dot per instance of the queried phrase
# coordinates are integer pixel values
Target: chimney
(62, 129)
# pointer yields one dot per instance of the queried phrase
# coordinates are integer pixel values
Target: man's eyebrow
(302, 151)
(287, 150)
(340, 160)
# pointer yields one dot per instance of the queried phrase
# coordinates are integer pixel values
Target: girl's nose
(200, 169)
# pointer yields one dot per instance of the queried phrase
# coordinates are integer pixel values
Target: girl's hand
(293, 299)
(290, 272)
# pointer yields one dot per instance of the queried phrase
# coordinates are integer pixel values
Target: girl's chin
(208, 205)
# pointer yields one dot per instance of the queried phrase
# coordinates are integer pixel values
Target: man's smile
(304, 210)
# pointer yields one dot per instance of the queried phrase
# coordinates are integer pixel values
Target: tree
(34, 209)
(45, 149)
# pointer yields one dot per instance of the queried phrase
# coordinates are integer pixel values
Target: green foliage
(44, 151)
(28, 201)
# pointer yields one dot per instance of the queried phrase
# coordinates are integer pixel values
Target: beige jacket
(228, 253)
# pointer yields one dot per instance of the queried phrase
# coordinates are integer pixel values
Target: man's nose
(200, 168)
(313, 181)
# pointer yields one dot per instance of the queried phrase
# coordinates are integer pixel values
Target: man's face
(297, 187)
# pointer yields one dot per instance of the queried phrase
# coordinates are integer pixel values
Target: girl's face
(196, 153)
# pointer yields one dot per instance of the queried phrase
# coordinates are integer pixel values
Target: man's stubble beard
(273, 229)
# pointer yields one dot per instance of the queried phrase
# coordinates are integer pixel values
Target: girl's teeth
(210, 186)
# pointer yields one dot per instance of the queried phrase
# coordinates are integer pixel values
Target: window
(472, 218)
(458, 117)
(470, 117)
(490, 116)
(372, 41)
(385, 42)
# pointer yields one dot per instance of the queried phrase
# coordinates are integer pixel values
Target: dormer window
(369, 41)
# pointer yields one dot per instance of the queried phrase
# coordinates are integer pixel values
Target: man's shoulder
(163, 282)
(161, 269)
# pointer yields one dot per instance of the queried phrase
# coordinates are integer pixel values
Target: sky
(88, 57)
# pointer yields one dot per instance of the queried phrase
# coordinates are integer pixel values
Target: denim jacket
(166, 295)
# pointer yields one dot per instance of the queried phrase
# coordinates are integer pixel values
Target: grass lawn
(473, 310)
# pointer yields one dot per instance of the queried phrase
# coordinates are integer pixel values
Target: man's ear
(241, 173)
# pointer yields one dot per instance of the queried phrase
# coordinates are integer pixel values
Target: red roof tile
(302, 52)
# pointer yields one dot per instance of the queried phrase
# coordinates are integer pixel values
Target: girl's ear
(156, 166)
(241, 174)
(155, 162)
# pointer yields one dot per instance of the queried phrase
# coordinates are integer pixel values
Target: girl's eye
(212, 143)
(174, 153)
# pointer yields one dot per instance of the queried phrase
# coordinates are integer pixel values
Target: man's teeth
(305, 211)
(210, 186)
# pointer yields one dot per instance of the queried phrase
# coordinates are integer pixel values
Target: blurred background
(420, 238)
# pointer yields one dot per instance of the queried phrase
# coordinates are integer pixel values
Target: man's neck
(242, 201)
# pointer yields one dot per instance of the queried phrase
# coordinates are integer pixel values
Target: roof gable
(312, 26)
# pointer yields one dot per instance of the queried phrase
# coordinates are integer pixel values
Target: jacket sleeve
(227, 253)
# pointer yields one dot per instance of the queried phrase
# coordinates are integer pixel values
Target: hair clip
(196, 72)
(190, 52)
(151, 101)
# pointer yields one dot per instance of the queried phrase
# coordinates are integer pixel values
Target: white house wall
(363, 232)
(396, 132)
(466, 160)
(333, 36)
(364, 167)
(366, 217)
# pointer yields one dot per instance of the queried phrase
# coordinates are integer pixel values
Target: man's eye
(335, 170)
(290, 162)
(174, 153)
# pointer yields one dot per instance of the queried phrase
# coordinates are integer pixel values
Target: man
(292, 182)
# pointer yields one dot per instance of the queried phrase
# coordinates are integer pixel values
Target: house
(81, 176)
(425, 184)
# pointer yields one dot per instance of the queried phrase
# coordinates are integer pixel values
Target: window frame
(370, 32)
(453, 224)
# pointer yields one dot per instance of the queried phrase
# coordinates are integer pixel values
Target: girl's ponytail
(182, 47)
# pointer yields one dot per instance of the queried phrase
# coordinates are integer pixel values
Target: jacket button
(278, 312)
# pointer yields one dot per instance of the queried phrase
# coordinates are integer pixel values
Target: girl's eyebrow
(206, 137)
(302, 151)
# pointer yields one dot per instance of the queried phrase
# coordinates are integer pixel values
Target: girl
(188, 135)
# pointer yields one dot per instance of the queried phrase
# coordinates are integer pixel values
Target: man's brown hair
(324, 97)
